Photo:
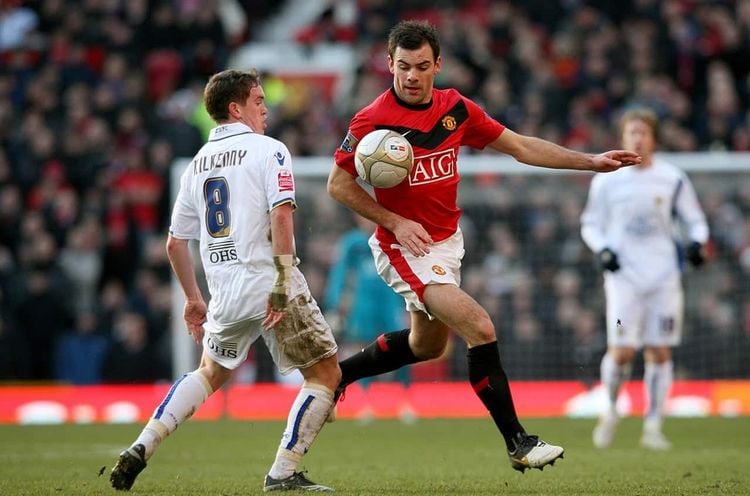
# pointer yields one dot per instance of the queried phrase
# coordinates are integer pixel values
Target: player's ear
(233, 110)
(391, 67)
(438, 64)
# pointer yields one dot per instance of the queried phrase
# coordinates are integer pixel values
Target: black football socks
(389, 352)
(489, 381)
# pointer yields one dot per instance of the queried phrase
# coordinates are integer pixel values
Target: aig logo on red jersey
(433, 167)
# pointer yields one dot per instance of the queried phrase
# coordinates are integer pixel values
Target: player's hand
(608, 260)
(413, 237)
(195, 316)
(695, 254)
(273, 316)
(613, 160)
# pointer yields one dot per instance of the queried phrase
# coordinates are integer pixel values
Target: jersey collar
(410, 106)
(223, 131)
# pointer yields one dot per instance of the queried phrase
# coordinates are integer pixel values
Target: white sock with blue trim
(306, 418)
(182, 400)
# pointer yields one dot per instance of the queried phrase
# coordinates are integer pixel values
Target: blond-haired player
(630, 222)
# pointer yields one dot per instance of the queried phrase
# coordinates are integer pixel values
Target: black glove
(608, 260)
(694, 254)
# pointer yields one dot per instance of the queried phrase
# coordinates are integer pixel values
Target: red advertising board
(119, 404)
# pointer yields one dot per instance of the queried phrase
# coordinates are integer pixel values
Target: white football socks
(306, 418)
(657, 381)
(613, 376)
(182, 400)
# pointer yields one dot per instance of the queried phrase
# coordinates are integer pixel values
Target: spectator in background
(80, 260)
(130, 359)
(80, 353)
(15, 353)
(112, 300)
(629, 223)
(40, 302)
(10, 215)
(16, 23)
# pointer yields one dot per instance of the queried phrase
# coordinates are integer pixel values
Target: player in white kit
(632, 220)
(237, 197)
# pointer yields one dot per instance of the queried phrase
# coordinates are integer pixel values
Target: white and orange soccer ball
(383, 158)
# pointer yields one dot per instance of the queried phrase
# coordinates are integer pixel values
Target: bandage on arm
(282, 242)
(280, 288)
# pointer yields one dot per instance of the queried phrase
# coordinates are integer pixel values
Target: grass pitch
(433, 457)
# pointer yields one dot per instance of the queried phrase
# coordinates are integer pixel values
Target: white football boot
(604, 432)
(653, 438)
(532, 452)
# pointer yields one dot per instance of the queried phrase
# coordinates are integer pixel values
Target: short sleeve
(344, 155)
(481, 129)
(689, 210)
(279, 179)
(185, 222)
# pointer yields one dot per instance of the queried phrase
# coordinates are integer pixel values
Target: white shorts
(637, 318)
(408, 275)
(300, 340)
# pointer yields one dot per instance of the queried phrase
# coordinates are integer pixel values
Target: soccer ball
(383, 158)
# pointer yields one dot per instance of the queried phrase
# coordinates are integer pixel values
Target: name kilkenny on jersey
(229, 158)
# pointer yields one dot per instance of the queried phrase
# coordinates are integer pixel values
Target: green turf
(711, 456)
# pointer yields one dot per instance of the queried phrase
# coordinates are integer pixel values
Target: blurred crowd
(98, 97)
(562, 69)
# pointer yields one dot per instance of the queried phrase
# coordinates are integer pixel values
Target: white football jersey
(225, 197)
(634, 212)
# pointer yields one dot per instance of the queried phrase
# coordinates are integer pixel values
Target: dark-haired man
(418, 245)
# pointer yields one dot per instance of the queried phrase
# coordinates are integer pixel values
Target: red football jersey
(435, 130)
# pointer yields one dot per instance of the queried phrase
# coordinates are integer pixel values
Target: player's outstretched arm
(343, 187)
(536, 151)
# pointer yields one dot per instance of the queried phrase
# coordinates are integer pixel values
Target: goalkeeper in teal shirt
(358, 298)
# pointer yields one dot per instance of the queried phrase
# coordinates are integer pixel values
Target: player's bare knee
(325, 372)
(215, 374)
(622, 355)
(658, 354)
(333, 374)
(479, 332)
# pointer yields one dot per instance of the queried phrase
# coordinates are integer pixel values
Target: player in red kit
(418, 245)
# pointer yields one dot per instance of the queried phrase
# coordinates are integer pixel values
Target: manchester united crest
(438, 270)
(449, 122)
